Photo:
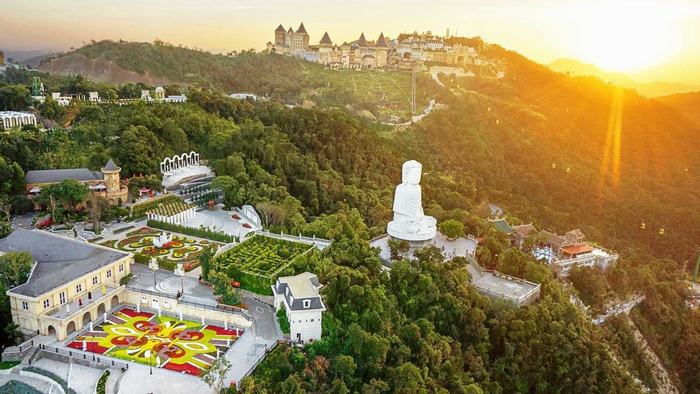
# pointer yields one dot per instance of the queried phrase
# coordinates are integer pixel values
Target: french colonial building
(302, 303)
(71, 283)
(105, 183)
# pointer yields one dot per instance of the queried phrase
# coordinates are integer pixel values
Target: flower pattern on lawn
(182, 248)
(178, 345)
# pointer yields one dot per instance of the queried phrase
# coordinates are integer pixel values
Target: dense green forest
(533, 142)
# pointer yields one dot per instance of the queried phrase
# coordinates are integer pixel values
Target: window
(307, 303)
(94, 280)
(78, 287)
(62, 297)
(109, 273)
(46, 303)
(121, 267)
(25, 305)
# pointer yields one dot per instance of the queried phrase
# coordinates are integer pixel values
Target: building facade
(105, 184)
(71, 284)
(11, 119)
(303, 305)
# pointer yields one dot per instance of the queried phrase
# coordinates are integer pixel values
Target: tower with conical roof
(326, 40)
(362, 41)
(381, 48)
(279, 36)
(111, 176)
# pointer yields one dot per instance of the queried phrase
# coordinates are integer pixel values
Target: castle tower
(301, 31)
(279, 36)
(111, 176)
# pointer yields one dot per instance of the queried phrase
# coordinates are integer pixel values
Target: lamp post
(153, 265)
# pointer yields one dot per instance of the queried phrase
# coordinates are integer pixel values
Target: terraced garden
(257, 261)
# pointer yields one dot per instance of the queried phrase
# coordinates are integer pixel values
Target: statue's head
(410, 172)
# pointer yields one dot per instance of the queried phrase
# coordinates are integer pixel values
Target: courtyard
(161, 341)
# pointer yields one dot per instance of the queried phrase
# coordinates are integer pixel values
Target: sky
(647, 40)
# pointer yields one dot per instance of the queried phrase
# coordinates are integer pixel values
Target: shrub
(452, 228)
(282, 319)
(102, 383)
(195, 232)
(125, 279)
(17, 387)
(142, 258)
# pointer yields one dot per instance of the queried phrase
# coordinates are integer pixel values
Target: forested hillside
(561, 152)
(278, 77)
(687, 104)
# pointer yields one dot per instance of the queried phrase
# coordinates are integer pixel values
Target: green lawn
(8, 364)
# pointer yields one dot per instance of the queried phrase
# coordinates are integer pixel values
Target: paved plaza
(221, 220)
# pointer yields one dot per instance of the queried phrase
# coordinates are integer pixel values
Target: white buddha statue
(410, 223)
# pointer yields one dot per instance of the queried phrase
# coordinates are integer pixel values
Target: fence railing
(258, 361)
(228, 310)
(85, 356)
(317, 242)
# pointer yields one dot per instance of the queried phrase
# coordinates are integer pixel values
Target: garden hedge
(195, 232)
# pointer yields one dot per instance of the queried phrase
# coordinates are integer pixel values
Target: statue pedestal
(398, 230)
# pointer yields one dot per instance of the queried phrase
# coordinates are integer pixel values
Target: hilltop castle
(290, 41)
(400, 52)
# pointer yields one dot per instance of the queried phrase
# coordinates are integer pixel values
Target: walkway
(251, 347)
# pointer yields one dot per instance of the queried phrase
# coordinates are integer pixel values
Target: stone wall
(171, 306)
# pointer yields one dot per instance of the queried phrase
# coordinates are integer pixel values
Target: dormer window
(307, 304)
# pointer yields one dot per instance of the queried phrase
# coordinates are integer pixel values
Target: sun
(627, 36)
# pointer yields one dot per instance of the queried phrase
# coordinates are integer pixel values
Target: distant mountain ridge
(161, 63)
(687, 104)
(650, 89)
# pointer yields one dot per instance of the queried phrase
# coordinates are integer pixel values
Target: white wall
(305, 323)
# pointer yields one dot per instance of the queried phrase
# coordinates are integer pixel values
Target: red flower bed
(186, 368)
(132, 313)
(246, 225)
(222, 331)
(235, 216)
(90, 346)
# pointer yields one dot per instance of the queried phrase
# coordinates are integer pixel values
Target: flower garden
(182, 249)
(256, 262)
(163, 341)
(170, 208)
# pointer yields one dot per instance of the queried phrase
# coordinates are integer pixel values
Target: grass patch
(8, 364)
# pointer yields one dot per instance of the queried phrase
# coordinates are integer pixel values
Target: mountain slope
(160, 63)
(650, 89)
(541, 144)
(687, 104)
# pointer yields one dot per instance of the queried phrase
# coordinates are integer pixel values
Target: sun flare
(627, 36)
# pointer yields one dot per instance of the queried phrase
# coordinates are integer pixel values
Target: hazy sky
(647, 40)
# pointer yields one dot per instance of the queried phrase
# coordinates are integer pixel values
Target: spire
(326, 39)
(381, 41)
(301, 29)
(290, 30)
(279, 28)
(362, 41)
(110, 166)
